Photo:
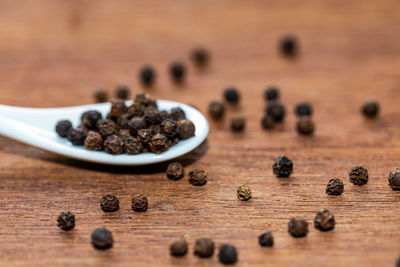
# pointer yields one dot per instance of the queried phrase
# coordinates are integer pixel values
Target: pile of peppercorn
(139, 127)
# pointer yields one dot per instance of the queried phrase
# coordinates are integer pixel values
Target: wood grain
(56, 53)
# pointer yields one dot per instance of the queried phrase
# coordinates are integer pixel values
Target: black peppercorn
(298, 227)
(282, 167)
(175, 171)
(76, 136)
(66, 221)
(232, 95)
(147, 76)
(177, 114)
(158, 143)
(117, 108)
(200, 57)
(303, 109)
(243, 192)
(276, 110)
(266, 239)
(185, 129)
(305, 126)
(358, 175)
(107, 127)
(271, 93)
(131, 145)
(238, 124)
(90, 118)
(109, 203)
(267, 122)
(140, 203)
(197, 177)
(144, 137)
(324, 221)
(227, 254)
(94, 141)
(216, 109)
(136, 124)
(152, 115)
(62, 128)
(122, 92)
(113, 144)
(100, 96)
(169, 128)
(177, 71)
(178, 248)
(370, 109)
(335, 187)
(288, 45)
(102, 238)
(204, 248)
(394, 179)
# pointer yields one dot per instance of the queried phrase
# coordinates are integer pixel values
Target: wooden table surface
(57, 53)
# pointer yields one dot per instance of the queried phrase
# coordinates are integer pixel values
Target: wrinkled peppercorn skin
(177, 114)
(394, 179)
(62, 127)
(158, 143)
(175, 171)
(243, 192)
(204, 248)
(324, 221)
(131, 145)
(109, 203)
(90, 118)
(227, 254)
(169, 128)
(107, 127)
(282, 167)
(185, 128)
(335, 187)
(76, 136)
(113, 144)
(359, 175)
(66, 221)
(266, 239)
(298, 227)
(94, 141)
(140, 203)
(102, 238)
(178, 248)
(197, 177)
(117, 108)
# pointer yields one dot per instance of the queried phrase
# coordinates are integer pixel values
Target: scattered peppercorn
(204, 248)
(94, 141)
(303, 109)
(227, 254)
(109, 203)
(76, 136)
(140, 203)
(147, 76)
(288, 45)
(200, 57)
(238, 124)
(305, 126)
(185, 128)
(359, 175)
(394, 179)
(178, 248)
(177, 71)
(266, 239)
(276, 110)
(243, 192)
(102, 238)
(197, 177)
(62, 128)
(66, 221)
(335, 187)
(282, 167)
(100, 96)
(271, 93)
(113, 144)
(298, 227)
(216, 109)
(175, 171)
(324, 221)
(122, 92)
(267, 122)
(370, 109)
(232, 95)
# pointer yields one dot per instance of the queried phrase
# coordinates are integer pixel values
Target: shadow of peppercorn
(14, 147)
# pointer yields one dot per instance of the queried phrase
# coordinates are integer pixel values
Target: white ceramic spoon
(36, 127)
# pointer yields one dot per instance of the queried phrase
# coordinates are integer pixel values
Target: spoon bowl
(36, 127)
